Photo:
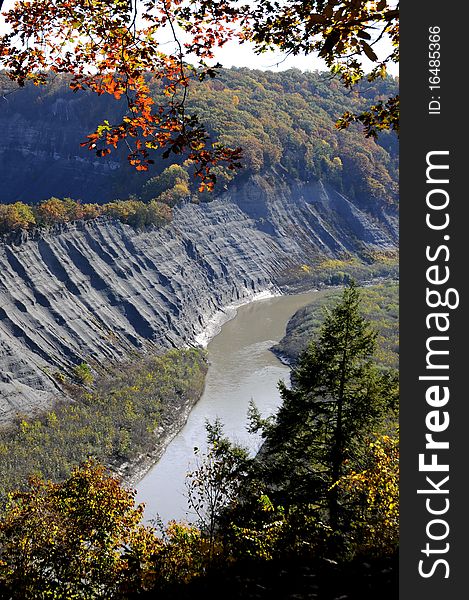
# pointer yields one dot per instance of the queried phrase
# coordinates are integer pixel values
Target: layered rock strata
(100, 291)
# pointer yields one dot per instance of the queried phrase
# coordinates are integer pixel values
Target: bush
(82, 538)
(83, 374)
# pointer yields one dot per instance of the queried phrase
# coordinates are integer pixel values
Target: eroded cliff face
(40, 150)
(101, 291)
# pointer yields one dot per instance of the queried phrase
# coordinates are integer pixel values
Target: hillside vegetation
(113, 418)
(380, 305)
(279, 119)
(22, 216)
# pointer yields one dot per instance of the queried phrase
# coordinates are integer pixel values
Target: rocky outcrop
(100, 291)
(40, 151)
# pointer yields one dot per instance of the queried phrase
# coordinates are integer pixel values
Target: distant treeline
(154, 207)
(23, 216)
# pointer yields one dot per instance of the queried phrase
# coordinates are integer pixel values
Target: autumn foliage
(372, 495)
(99, 44)
(82, 538)
(16, 216)
(21, 216)
(117, 48)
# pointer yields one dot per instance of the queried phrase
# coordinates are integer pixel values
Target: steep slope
(277, 118)
(99, 291)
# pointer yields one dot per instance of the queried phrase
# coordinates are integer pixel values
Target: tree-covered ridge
(289, 119)
(112, 418)
(380, 305)
(21, 216)
(109, 50)
(282, 120)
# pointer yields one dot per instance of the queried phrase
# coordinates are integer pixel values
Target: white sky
(242, 55)
(234, 54)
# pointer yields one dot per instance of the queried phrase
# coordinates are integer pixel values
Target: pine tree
(338, 395)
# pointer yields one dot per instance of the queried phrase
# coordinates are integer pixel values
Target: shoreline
(133, 471)
(228, 312)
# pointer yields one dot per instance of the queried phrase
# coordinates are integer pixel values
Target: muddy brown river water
(241, 367)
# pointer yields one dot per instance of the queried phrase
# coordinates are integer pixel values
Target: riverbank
(48, 444)
(227, 313)
(131, 472)
(379, 305)
(241, 368)
(109, 420)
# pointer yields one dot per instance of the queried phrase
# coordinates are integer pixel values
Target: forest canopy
(281, 120)
(111, 47)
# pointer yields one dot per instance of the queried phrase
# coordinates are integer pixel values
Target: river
(241, 367)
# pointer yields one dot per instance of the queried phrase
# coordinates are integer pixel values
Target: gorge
(81, 299)
(99, 291)
(163, 223)
(102, 318)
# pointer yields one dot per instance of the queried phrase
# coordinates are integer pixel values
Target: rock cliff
(100, 291)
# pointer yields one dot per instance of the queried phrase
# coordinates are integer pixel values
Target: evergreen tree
(338, 396)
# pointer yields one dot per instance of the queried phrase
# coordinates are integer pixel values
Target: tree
(53, 211)
(372, 495)
(78, 539)
(169, 178)
(158, 213)
(338, 396)
(83, 373)
(216, 480)
(171, 187)
(16, 216)
(114, 47)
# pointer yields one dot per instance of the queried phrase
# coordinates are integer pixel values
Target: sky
(242, 55)
(234, 54)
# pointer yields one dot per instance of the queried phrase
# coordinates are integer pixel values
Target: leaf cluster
(104, 50)
(344, 33)
(82, 538)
